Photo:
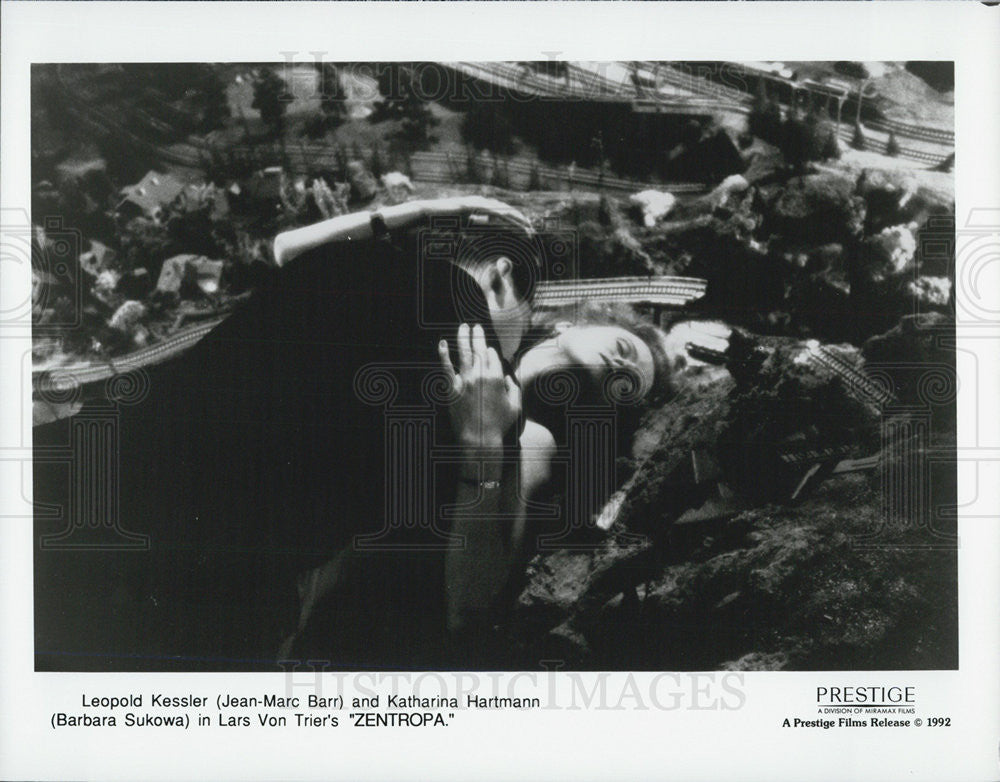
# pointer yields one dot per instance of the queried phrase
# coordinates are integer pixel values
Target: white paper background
(569, 744)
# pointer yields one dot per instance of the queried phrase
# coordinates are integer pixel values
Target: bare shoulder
(537, 439)
(538, 447)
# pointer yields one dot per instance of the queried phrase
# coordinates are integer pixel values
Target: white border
(576, 745)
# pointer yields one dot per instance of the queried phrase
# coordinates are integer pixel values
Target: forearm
(486, 406)
(477, 567)
(353, 227)
(357, 226)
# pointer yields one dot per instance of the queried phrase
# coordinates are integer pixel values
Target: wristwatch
(380, 230)
(490, 485)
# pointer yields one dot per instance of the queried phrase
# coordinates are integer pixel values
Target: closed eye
(625, 348)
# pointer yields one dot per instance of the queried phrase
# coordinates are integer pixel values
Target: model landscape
(815, 199)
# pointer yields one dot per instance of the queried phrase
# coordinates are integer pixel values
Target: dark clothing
(305, 419)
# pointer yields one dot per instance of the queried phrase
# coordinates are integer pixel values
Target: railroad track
(444, 167)
(846, 134)
(85, 112)
(856, 381)
(697, 83)
(584, 84)
(432, 167)
(677, 76)
(60, 380)
(657, 291)
(581, 83)
(700, 95)
(578, 82)
(919, 132)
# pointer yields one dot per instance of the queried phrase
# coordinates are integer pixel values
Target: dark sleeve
(254, 439)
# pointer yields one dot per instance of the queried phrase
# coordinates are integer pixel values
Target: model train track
(855, 380)
(679, 75)
(740, 101)
(846, 133)
(657, 291)
(444, 167)
(60, 380)
(701, 96)
(430, 167)
(919, 132)
(576, 83)
(693, 94)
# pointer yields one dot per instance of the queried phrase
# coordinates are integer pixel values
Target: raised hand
(487, 403)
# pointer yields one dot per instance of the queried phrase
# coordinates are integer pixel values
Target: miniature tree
(831, 148)
(892, 146)
(815, 130)
(535, 178)
(858, 140)
(402, 101)
(332, 97)
(947, 164)
(270, 98)
(795, 140)
(764, 120)
(210, 98)
(487, 126)
(471, 167)
(377, 165)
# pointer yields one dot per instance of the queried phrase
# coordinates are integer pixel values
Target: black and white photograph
(635, 365)
(577, 390)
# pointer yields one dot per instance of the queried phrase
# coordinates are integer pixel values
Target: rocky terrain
(746, 577)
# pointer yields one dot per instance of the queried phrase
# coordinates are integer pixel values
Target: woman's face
(595, 350)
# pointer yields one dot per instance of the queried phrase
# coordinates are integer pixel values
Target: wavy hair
(545, 325)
